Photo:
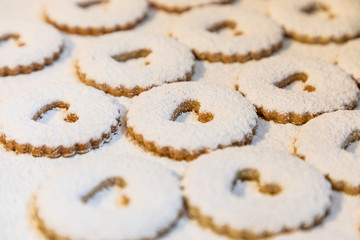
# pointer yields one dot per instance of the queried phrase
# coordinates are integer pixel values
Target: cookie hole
(12, 36)
(123, 57)
(107, 194)
(352, 143)
(226, 27)
(91, 3)
(296, 82)
(253, 175)
(49, 112)
(318, 9)
(193, 107)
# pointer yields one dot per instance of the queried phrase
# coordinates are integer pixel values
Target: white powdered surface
(20, 175)
(334, 88)
(167, 62)
(291, 15)
(331, 133)
(28, 48)
(108, 14)
(349, 59)
(257, 31)
(305, 193)
(183, 3)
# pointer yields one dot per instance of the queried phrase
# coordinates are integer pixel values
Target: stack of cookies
(181, 119)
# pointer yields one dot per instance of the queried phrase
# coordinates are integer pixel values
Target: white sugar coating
(207, 184)
(255, 5)
(154, 194)
(330, 133)
(258, 31)
(291, 16)
(40, 41)
(349, 59)
(96, 111)
(184, 3)
(107, 14)
(342, 223)
(334, 88)
(168, 61)
(326, 52)
(150, 115)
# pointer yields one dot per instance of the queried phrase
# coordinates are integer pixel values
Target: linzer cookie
(94, 17)
(89, 119)
(228, 34)
(320, 21)
(221, 117)
(326, 88)
(134, 62)
(179, 6)
(27, 46)
(252, 192)
(107, 198)
(349, 59)
(333, 133)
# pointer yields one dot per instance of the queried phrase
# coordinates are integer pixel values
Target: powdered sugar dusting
(334, 88)
(28, 48)
(349, 59)
(303, 187)
(168, 60)
(17, 113)
(145, 183)
(150, 115)
(259, 32)
(330, 132)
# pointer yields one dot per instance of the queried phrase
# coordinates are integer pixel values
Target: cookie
(349, 60)
(94, 17)
(320, 21)
(123, 198)
(221, 117)
(179, 6)
(253, 192)
(134, 62)
(326, 88)
(27, 46)
(90, 118)
(228, 34)
(332, 133)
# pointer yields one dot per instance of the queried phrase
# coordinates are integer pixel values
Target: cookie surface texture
(228, 34)
(27, 46)
(134, 62)
(179, 6)
(326, 88)
(333, 134)
(87, 118)
(349, 59)
(320, 21)
(94, 17)
(253, 192)
(221, 117)
(107, 198)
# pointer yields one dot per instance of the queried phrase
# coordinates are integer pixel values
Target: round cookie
(134, 62)
(94, 17)
(228, 34)
(112, 198)
(224, 118)
(320, 21)
(326, 88)
(27, 46)
(349, 59)
(332, 133)
(253, 192)
(179, 6)
(90, 118)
